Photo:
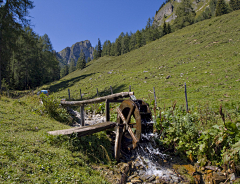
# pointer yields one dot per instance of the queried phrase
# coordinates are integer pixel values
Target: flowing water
(153, 161)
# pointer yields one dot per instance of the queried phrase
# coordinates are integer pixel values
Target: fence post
(186, 97)
(82, 115)
(68, 93)
(97, 92)
(107, 110)
(111, 90)
(8, 93)
(155, 98)
(129, 88)
(80, 94)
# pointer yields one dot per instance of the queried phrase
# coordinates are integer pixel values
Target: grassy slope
(205, 56)
(28, 155)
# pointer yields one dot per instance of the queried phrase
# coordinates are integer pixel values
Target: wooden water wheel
(134, 117)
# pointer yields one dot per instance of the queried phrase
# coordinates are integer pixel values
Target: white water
(152, 159)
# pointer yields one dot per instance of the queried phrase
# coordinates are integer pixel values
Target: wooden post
(8, 93)
(80, 94)
(186, 97)
(82, 115)
(68, 93)
(107, 110)
(129, 88)
(155, 98)
(97, 92)
(111, 89)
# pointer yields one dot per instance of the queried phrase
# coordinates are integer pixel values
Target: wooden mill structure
(134, 118)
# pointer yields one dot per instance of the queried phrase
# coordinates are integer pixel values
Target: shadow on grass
(97, 147)
(106, 92)
(67, 83)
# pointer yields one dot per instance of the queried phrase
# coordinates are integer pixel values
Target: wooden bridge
(87, 130)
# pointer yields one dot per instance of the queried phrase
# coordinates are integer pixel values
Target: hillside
(168, 11)
(204, 55)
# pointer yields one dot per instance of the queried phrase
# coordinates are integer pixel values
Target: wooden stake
(111, 89)
(155, 98)
(68, 93)
(129, 88)
(82, 115)
(80, 94)
(107, 110)
(186, 97)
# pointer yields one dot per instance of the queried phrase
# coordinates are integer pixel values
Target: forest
(27, 60)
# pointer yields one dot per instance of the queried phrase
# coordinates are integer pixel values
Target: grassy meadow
(29, 155)
(205, 56)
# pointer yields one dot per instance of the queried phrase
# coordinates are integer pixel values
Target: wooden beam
(86, 130)
(97, 100)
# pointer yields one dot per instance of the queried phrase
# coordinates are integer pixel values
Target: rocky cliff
(66, 54)
(164, 12)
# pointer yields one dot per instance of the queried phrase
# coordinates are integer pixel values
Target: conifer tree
(168, 28)
(234, 4)
(95, 52)
(72, 66)
(88, 59)
(164, 28)
(138, 39)
(132, 42)
(185, 15)
(221, 8)
(99, 48)
(81, 63)
(13, 17)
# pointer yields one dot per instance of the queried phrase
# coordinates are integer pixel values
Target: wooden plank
(97, 100)
(86, 130)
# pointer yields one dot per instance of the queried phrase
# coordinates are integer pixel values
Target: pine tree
(185, 15)
(138, 39)
(164, 28)
(132, 42)
(221, 8)
(234, 4)
(81, 63)
(99, 48)
(72, 66)
(149, 31)
(88, 59)
(12, 19)
(168, 28)
(112, 49)
(95, 52)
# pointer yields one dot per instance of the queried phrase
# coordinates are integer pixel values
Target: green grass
(29, 155)
(205, 56)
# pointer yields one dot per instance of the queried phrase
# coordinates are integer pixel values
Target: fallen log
(97, 100)
(85, 130)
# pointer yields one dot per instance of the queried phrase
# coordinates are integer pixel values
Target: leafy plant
(182, 133)
(52, 108)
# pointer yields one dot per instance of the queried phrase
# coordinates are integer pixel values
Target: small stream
(150, 163)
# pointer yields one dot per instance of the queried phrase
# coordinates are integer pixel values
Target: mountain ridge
(65, 55)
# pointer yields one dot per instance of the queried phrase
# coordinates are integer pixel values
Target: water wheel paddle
(134, 117)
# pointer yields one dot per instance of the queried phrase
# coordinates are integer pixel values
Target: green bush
(183, 133)
(52, 107)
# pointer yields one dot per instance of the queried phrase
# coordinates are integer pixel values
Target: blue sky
(68, 22)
